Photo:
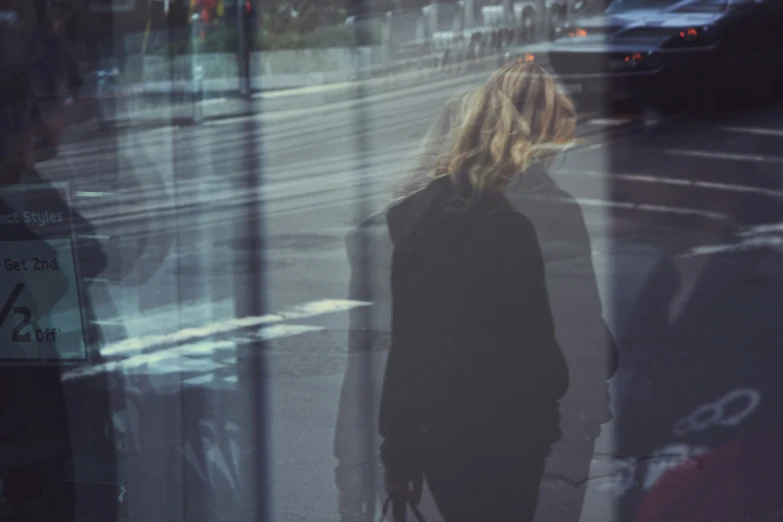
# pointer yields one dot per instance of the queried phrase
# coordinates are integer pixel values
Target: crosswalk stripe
(610, 121)
(162, 359)
(644, 178)
(755, 158)
(277, 331)
(189, 335)
(760, 131)
(594, 202)
(742, 246)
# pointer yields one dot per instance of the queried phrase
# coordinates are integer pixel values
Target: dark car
(660, 49)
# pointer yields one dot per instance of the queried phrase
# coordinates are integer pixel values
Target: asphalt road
(698, 196)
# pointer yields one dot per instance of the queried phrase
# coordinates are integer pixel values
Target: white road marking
(610, 121)
(592, 202)
(214, 101)
(673, 181)
(586, 148)
(742, 246)
(200, 380)
(159, 360)
(754, 158)
(324, 306)
(760, 131)
(93, 237)
(88, 194)
(286, 330)
(185, 335)
(763, 229)
(186, 357)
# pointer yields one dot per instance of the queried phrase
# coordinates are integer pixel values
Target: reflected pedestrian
(581, 331)
(580, 327)
(474, 373)
(359, 472)
(59, 456)
(701, 418)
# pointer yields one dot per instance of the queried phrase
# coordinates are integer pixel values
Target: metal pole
(469, 14)
(245, 33)
(368, 424)
(249, 281)
(196, 70)
(508, 12)
(387, 43)
(434, 18)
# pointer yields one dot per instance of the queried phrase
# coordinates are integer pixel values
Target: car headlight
(692, 37)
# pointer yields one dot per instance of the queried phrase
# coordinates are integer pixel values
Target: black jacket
(580, 330)
(473, 354)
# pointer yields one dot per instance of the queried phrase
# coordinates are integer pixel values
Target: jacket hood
(402, 217)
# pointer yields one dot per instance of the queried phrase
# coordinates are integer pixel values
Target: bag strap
(414, 508)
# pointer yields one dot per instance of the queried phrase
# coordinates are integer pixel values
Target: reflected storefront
(196, 311)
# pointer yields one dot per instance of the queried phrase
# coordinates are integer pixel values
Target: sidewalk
(151, 106)
(164, 102)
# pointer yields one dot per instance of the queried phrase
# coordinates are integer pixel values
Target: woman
(581, 331)
(474, 374)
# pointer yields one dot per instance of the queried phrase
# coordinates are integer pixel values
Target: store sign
(41, 318)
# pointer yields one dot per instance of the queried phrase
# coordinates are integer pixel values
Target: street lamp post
(245, 25)
(196, 70)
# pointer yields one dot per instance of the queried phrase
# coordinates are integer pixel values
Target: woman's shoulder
(508, 223)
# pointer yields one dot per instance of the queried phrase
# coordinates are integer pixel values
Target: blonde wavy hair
(485, 137)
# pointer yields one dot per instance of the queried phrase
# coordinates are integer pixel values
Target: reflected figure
(581, 332)
(474, 373)
(359, 473)
(58, 452)
(702, 413)
(579, 327)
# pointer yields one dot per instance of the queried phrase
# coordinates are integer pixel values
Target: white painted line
(286, 330)
(214, 101)
(324, 306)
(755, 130)
(673, 181)
(108, 322)
(610, 121)
(303, 311)
(180, 358)
(99, 281)
(591, 202)
(231, 121)
(200, 380)
(160, 360)
(742, 246)
(88, 194)
(754, 158)
(188, 334)
(763, 229)
(586, 148)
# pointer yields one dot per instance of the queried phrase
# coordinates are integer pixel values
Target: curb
(301, 97)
